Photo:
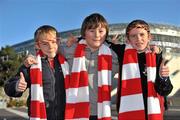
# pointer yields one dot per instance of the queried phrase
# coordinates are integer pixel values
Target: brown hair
(93, 21)
(137, 24)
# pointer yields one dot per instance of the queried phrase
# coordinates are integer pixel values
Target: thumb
(22, 79)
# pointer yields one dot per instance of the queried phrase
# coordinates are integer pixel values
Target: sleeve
(162, 86)
(10, 85)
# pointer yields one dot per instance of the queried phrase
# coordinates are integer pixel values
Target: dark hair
(44, 30)
(137, 24)
(93, 21)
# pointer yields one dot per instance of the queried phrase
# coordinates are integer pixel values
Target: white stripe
(131, 103)
(32, 118)
(37, 93)
(65, 68)
(104, 50)
(38, 65)
(130, 71)
(104, 109)
(151, 74)
(153, 105)
(79, 64)
(75, 95)
(104, 77)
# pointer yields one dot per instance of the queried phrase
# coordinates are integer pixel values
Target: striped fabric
(131, 102)
(78, 106)
(37, 106)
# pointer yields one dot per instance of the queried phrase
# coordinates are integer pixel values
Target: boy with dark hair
(93, 68)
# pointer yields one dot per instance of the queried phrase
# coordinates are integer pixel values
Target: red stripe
(151, 90)
(151, 60)
(130, 56)
(67, 81)
(131, 86)
(133, 115)
(78, 110)
(38, 109)
(80, 50)
(161, 101)
(104, 62)
(104, 93)
(155, 117)
(78, 79)
(61, 59)
(36, 78)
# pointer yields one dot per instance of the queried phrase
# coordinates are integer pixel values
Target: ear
(37, 47)
(150, 37)
(127, 40)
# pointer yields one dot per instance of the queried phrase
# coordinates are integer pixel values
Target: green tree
(9, 62)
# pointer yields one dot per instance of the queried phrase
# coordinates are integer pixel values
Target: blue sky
(20, 18)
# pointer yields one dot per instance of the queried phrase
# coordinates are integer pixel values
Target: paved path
(13, 114)
(21, 114)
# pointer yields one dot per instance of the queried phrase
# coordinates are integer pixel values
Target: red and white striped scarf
(37, 105)
(131, 102)
(78, 106)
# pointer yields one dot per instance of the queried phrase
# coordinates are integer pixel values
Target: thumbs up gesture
(22, 84)
(164, 69)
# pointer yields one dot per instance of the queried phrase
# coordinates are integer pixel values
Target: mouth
(139, 44)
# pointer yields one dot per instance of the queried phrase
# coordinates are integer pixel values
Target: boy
(143, 77)
(46, 79)
(93, 65)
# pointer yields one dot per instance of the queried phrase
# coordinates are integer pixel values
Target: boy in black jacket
(53, 77)
(143, 77)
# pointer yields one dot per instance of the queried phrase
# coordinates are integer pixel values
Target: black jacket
(162, 87)
(53, 88)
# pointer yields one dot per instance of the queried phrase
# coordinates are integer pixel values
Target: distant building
(166, 36)
(163, 35)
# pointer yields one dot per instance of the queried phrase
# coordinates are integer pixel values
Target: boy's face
(139, 38)
(48, 45)
(95, 37)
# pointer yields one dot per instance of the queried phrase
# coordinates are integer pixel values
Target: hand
(22, 84)
(29, 60)
(155, 49)
(164, 69)
(71, 40)
(115, 39)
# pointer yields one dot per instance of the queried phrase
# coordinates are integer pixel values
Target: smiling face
(46, 40)
(94, 30)
(95, 37)
(139, 38)
(48, 45)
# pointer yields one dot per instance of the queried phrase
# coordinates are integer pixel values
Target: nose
(50, 45)
(97, 34)
(138, 37)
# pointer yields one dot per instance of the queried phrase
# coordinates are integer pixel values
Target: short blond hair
(43, 31)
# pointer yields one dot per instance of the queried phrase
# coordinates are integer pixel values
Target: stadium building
(166, 36)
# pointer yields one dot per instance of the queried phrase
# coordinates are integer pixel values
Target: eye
(44, 43)
(142, 34)
(132, 36)
(91, 30)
